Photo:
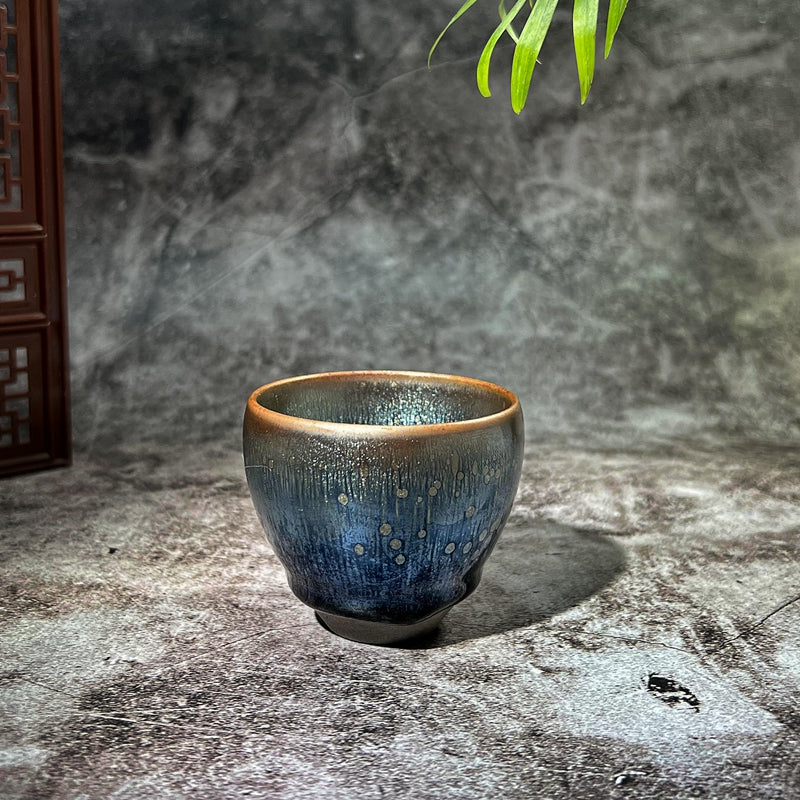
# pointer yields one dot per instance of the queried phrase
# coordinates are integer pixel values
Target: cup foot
(359, 630)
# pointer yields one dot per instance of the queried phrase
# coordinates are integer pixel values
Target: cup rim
(289, 422)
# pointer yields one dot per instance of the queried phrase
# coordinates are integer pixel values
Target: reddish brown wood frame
(34, 381)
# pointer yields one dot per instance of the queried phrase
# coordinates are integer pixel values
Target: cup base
(382, 633)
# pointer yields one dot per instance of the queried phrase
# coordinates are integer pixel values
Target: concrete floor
(635, 636)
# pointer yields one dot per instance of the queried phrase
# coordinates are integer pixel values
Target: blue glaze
(344, 513)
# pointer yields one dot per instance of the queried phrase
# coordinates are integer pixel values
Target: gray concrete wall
(258, 189)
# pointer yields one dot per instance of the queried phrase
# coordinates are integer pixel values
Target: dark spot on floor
(669, 691)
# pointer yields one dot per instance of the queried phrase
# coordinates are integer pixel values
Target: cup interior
(395, 399)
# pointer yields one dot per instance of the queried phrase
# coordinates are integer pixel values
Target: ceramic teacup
(382, 493)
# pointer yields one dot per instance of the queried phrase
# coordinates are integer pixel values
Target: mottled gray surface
(260, 189)
(150, 647)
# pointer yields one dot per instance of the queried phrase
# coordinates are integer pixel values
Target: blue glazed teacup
(382, 493)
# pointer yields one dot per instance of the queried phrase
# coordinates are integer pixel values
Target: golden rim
(288, 422)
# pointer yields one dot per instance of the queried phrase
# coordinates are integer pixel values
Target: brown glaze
(275, 419)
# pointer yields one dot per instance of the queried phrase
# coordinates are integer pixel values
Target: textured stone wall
(257, 189)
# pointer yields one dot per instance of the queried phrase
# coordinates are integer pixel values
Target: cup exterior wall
(388, 529)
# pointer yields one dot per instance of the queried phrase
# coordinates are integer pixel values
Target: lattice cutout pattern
(12, 280)
(34, 381)
(10, 170)
(15, 402)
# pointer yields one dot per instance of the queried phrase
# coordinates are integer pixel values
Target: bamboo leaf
(616, 8)
(501, 10)
(584, 29)
(486, 56)
(527, 51)
(461, 11)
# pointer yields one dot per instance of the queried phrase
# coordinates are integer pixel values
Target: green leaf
(501, 10)
(584, 28)
(616, 8)
(461, 11)
(486, 55)
(527, 51)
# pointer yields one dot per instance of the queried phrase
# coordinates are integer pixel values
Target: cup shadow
(538, 569)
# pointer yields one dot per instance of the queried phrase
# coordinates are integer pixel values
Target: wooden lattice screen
(34, 407)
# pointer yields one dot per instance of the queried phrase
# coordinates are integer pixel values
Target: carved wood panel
(34, 401)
